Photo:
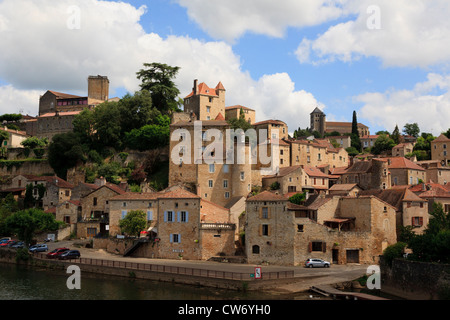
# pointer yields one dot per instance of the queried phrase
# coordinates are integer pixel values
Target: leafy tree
(396, 135)
(382, 132)
(134, 222)
(64, 152)
(8, 206)
(382, 144)
(4, 135)
(240, 123)
(355, 140)
(26, 223)
(35, 142)
(411, 129)
(394, 251)
(136, 111)
(151, 136)
(298, 198)
(422, 148)
(447, 133)
(352, 151)
(157, 78)
(10, 117)
(332, 134)
(302, 133)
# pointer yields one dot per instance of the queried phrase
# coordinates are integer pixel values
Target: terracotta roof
(203, 89)
(278, 122)
(343, 187)
(314, 172)
(342, 124)
(370, 137)
(238, 107)
(219, 117)
(114, 188)
(403, 163)
(61, 114)
(360, 167)
(441, 138)
(314, 202)
(283, 172)
(136, 196)
(21, 133)
(176, 193)
(267, 196)
(61, 183)
(393, 196)
(60, 95)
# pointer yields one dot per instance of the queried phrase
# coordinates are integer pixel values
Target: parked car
(55, 253)
(311, 263)
(5, 239)
(38, 248)
(7, 243)
(71, 254)
(17, 245)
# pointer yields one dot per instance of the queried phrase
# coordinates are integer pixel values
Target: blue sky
(281, 58)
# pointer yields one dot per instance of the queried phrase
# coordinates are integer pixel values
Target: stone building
(435, 171)
(234, 112)
(204, 102)
(15, 137)
(52, 123)
(440, 150)
(57, 190)
(288, 178)
(352, 230)
(95, 211)
(276, 129)
(182, 224)
(372, 174)
(368, 141)
(318, 123)
(404, 171)
(351, 190)
(314, 180)
(433, 192)
(410, 209)
(69, 211)
(402, 149)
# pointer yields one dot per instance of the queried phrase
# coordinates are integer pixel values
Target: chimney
(195, 86)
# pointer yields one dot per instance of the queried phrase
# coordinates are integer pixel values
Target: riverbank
(276, 280)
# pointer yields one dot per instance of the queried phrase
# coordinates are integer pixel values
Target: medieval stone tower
(318, 121)
(98, 88)
(381, 177)
(204, 102)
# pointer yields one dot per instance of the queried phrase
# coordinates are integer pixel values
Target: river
(18, 282)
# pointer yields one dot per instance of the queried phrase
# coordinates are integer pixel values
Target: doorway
(353, 256)
(335, 255)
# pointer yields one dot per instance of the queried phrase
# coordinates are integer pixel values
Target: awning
(152, 229)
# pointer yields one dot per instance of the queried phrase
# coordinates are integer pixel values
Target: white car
(311, 263)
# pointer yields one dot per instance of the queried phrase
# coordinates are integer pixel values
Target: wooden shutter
(260, 230)
(269, 230)
(421, 221)
(310, 247)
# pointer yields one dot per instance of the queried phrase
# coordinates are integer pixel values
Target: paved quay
(304, 278)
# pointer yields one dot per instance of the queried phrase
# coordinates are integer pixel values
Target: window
(226, 168)
(242, 175)
(265, 213)
(210, 183)
(150, 204)
(265, 230)
(149, 215)
(417, 221)
(175, 238)
(124, 213)
(317, 246)
(183, 216)
(95, 201)
(124, 204)
(169, 216)
(208, 109)
(212, 168)
(225, 183)
(255, 249)
(299, 228)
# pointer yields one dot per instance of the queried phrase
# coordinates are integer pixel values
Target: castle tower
(205, 102)
(318, 121)
(98, 88)
(380, 177)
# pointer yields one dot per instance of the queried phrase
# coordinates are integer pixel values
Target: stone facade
(314, 153)
(289, 179)
(234, 112)
(205, 102)
(440, 150)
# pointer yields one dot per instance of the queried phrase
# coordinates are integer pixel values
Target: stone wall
(415, 280)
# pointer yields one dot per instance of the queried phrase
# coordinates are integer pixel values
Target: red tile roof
(60, 95)
(238, 107)
(441, 138)
(403, 163)
(314, 172)
(203, 89)
(267, 196)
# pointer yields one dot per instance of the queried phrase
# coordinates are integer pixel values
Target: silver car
(311, 263)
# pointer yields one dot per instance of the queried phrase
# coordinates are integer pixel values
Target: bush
(394, 251)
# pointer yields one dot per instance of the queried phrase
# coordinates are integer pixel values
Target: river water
(22, 283)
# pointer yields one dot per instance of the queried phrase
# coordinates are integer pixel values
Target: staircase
(136, 244)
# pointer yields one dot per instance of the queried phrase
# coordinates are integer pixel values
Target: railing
(217, 274)
(217, 226)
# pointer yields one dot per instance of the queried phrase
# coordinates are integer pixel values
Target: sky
(387, 60)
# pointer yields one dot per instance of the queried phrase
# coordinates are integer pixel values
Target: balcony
(217, 226)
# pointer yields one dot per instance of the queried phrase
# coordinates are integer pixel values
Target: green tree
(447, 133)
(136, 111)
(133, 223)
(35, 142)
(411, 129)
(382, 144)
(355, 140)
(240, 123)
(151, 136)
(65, 152)
(352, 151)
(298, 198)
(26, 223)
(396, 135)
(157, 78)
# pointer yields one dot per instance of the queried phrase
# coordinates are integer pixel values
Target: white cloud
(42, 53)
(427, 104)
(231, 19)
(411, 33)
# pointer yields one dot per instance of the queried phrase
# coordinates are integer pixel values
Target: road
(304, 277)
